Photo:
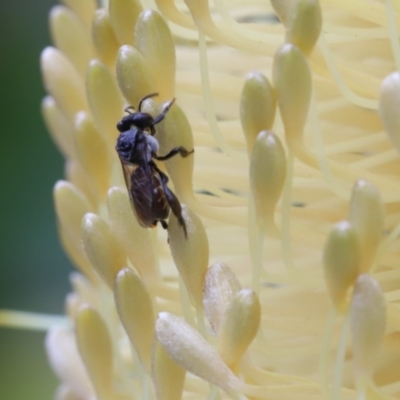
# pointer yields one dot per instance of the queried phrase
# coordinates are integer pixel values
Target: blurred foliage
(34, 270)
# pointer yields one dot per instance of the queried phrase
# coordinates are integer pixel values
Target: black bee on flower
(150, 196)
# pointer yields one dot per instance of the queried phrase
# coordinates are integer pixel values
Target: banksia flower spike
(283, 243)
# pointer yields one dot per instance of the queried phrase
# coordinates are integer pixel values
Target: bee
(151, 199)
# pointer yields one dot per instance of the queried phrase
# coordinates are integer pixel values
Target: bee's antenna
(145, 98)
(128, 109)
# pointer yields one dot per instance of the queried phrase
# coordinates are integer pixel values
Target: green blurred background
(34, 271)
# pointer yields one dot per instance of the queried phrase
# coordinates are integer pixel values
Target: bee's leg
(161, 116)
(172, 201)
(163, 223)
(181, 150)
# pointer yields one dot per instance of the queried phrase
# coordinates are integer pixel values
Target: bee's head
(140, 120)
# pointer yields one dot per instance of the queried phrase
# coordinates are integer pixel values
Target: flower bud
(367, 217)
(123, 16)
(63, 82)
(92, 148)
(368, 318)
(257, 107)
(135, 239)
(304, 25)
(168, 376)
(292, 84)
(135, 310)
(95, 347)
(71, 37)
(103, 37)
(219, 290)
(102, 248)
(105, 100)
(154, 41)
(190, 350)
(389, 105)
(63, 355)
(267, 176)
(190, 253)
(341, 262)
(83, 9)
(175, 131)
(239, 326)
(60, 127)
(133, 75)
(283, 9)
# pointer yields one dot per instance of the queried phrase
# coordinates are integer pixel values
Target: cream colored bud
(292, 84)
(95, 347)
(60, 127)
(135, 239)
(71, 205)
(71, 36)
(133, 75)
(267, 176)
(63, 355)
(283, 9)
(367, 217)
(190, 253)
(168, 376)
(219, 290)
(102, 248)
(368, 318)
(257, 107)
(103, 37)
(304, 25)
(154, 40)
(239, 326)
(135, 310)
(389, 106)
(190, 350)
(63, 82)
(92, 152)
(106, 102)
(341, 263)
(175, 131)
(84, 9)
(123, 16)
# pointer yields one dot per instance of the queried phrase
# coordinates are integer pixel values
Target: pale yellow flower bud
(257, 107)
(71, 37)
(175, 131)
(292, 84)
(103, 37)
(367, 217)
(84, 9)
(168, 376)
(135, 239)
(220, 288)
(135, 310)
(304, 25)
(63, 82)
(133, 75)
(102, 248)
(105, 100)
(95, 347)
(123, 16)
(341, 262)
(190, 350)
(267, 176)
(190, 254)
(283, 9)
(368, 318)
(91, 148)
(389, 105)
(154, 41)
(239, 326)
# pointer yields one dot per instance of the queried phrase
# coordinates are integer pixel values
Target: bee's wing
(139, 182)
